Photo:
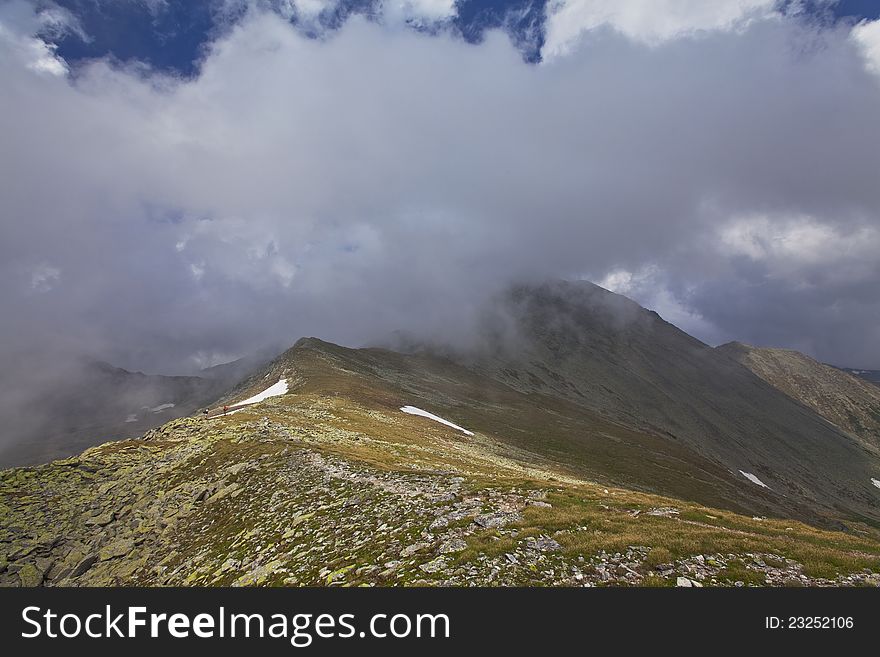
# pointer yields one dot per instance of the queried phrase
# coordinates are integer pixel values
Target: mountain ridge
(692, 408)
(375, 467)
(848, 402)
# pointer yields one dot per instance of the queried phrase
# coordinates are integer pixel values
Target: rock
(410, 550)
(23, 550)
(687, 583)
(337, 575)
(498, 519)
(30, 576)
(101, 520)
(296, 520)
(223, 492)
(433, 566)
(452, 545)
(258, 575)
(792, 581)
(84, 564)
(543, 544)
(118, 548)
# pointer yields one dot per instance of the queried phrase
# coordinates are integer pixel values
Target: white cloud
(310, 9)
(42, 58)
(649, 287)
(383, 179)
(56, 21)
(44, 278)
(305, 11)
(647, 21)
(426, 11)
(197, 270)
(31, 51)
(867, 36)
(790, 244)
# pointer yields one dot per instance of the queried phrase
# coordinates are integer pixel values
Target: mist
(381, 179)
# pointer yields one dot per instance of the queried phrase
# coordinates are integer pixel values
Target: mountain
(231, 373)
(89, 402)
(583, 440)
(868, 375)
(604, 353)
(847, 401)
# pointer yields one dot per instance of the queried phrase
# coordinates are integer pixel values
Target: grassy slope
(845, 400)
(332, 485)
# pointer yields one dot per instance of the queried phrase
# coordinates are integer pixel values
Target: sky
(183, 183)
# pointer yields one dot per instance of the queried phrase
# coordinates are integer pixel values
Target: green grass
(363, 428)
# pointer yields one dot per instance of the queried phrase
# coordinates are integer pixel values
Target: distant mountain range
(91, 402)
(868, 375)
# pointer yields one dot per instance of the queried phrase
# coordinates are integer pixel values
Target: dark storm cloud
(382, 179)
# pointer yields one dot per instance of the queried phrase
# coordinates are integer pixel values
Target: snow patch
(412, 410)
(754, 479)
(279, 388)
(132, 418)
(161, 407)
(876, 482)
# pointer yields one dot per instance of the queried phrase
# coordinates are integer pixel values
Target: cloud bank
(721, 169)
(652, 23)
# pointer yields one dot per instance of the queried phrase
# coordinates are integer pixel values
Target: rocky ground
(303, 494)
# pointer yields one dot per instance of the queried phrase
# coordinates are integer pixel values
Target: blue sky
(172, 35)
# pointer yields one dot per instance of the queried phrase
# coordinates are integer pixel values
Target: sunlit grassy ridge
(340, 488)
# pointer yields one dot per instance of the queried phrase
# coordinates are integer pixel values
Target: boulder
(30, 576)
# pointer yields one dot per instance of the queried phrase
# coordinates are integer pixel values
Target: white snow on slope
(161, 407)
(754, 479)
(279, 388)
(132, 418)
(876, 482)
(412, 410)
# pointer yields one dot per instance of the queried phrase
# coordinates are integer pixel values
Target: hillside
(331, 484)
(604, 353)
(849, 402)
(88, 402)
(590, 443)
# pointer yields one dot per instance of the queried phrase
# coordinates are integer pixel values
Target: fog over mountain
(453, 293)
(718, 167)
